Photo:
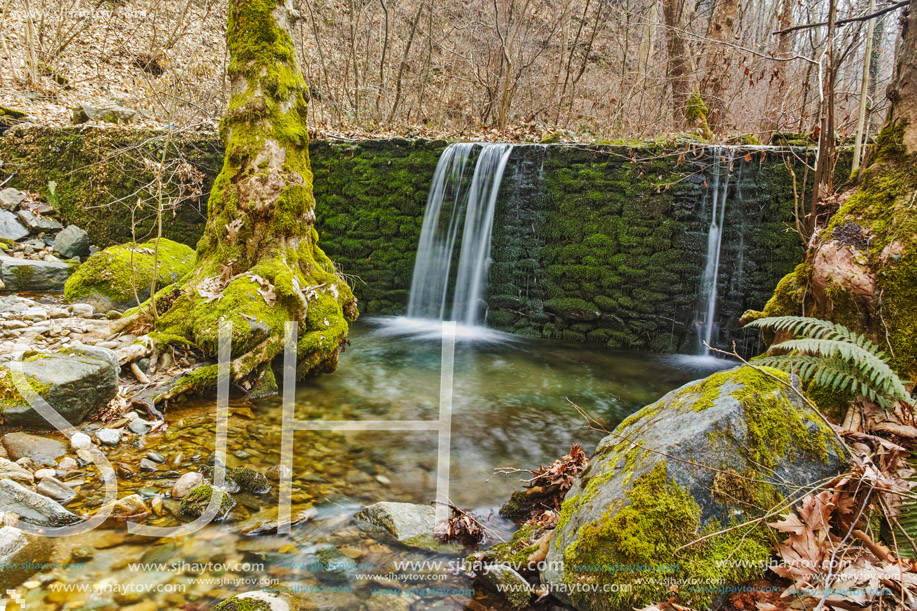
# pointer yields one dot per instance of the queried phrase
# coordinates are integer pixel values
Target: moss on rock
(195, 503)
(109, 278)
(704, 458)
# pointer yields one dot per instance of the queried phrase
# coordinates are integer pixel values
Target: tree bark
(679, 63)
(777, 87)
(823, 182)
(903, 91)
(719, 58)
(258, 262)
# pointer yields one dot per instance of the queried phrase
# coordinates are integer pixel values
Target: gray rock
(19, 554)
(75, 382)
(139, 426)
(111, 113)
(28, 275)
(37, 224)
(724, 449)
(32, 507)
(72, 242)
(41, 450)
(109, 437)
(10, 198)
(10, 227)
(83, 310)
(10, 470)
(408, 523)
(55, 489)
(148, 465)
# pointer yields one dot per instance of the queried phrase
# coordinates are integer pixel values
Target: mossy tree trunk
(258, 262)
(861, 267)
(903, 90)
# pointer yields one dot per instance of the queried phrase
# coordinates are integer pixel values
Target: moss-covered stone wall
(604, 244)
(609, 244)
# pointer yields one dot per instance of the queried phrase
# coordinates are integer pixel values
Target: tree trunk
(719, 56)
(903, 91)
(823, 181)
(258, 263)
(777, 88)
(679, 62)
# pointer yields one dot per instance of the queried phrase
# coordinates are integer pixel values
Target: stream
(511, 408)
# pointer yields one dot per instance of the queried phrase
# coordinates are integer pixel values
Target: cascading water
(718, 190)
(457, 207)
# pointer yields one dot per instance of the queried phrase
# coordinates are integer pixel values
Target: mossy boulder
(250, 480)
(708, 456)
(196, 502)
(74, 381)
(107, 279)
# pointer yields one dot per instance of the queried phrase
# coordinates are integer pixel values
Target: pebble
(148, 465)
(155, 457)
(54, 488)
(67, 464)
(80, 441)
(139, 426)
(186, 483)
(83, 310)
(109, 437)
(43, 473)
(56, 313)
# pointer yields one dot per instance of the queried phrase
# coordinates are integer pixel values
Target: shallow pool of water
(511, 407)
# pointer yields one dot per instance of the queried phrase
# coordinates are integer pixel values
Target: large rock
(10, 198)
(10, 227)
(111, 113)
(32, 507)
(108, 278)
(42, 450)
(724, 450)
(21, 556)
(72, 242)
(28, 275)
(409, 524)
(75, 382)
(10, 470)
(36, 223)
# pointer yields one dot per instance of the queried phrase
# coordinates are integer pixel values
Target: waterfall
(460, 210)
(717, 190)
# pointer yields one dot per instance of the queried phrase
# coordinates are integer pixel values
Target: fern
(833, 357)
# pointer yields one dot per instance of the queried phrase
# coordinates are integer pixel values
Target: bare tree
(719, 60)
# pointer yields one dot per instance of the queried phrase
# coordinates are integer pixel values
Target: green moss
(517, 550)
(659, 517)
(696, 113)
(881, 210)
(115, 272)
(196, 501)
(250, 480)
(243, 604)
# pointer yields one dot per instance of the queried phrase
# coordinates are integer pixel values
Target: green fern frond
(817, 329)
(833, 357)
